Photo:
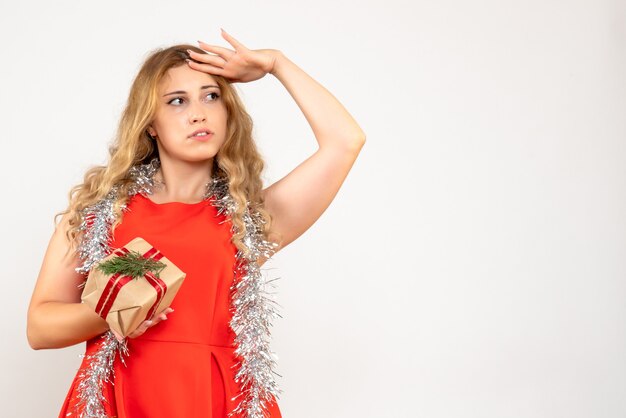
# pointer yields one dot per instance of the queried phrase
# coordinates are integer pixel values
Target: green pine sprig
(131, 264)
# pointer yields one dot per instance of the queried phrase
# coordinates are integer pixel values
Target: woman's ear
(150, 130)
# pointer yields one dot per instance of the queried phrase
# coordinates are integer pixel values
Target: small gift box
(132, 284)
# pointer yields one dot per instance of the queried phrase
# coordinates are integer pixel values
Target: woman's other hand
(241, 65)
(143, 327)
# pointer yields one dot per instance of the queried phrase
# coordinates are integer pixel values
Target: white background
(473, 263)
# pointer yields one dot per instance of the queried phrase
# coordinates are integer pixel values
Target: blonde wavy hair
(238, 159)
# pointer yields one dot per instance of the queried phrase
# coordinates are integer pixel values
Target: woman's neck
(181, 181)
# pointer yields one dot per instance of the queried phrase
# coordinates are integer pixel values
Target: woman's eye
(213, 94)
(172, 101)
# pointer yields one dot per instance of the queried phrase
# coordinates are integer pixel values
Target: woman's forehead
(185, 78)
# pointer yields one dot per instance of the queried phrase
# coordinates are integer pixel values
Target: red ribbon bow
(115, 284)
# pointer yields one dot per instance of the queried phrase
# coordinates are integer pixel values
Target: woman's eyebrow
(184, 92)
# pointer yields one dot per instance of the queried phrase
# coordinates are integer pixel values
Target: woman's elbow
(33, 332)
(32, 336)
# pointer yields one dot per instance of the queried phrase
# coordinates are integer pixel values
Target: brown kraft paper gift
(125, 302)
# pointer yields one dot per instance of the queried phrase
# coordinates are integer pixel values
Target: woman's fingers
(235, 43)
(225, 53)
(167, 311)
(214, 60)
(161, 316)
(240, 65)
(143, 327)
(206, 68)
(221, 51)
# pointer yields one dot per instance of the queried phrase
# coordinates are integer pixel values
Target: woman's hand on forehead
(239, 65)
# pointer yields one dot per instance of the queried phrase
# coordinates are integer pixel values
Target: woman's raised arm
(297, 200)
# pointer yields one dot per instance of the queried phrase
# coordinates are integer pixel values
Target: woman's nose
(197, 117)
(196, 114)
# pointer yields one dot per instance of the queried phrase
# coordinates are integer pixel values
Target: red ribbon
(115, 284)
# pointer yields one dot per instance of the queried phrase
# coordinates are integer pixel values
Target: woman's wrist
(278, 59)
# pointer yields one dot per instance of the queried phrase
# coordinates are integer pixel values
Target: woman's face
(189, 100)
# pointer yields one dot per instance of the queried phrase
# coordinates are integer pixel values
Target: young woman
(184, 174)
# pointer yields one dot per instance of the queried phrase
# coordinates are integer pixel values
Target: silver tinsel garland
(252, 308)
(91, 400)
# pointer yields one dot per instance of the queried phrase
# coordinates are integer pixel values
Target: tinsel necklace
(252, 308)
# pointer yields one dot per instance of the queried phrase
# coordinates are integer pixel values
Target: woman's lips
(202, 137)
